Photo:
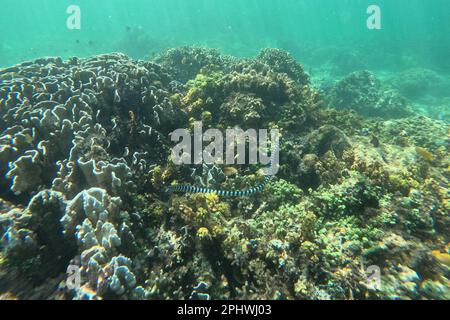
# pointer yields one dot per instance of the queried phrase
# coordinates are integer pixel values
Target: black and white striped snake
(232, 193)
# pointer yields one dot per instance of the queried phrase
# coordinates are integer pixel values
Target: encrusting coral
(363, 92)
(85, 164)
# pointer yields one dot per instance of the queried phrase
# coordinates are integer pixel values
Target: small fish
(424, 153)
(443, 258)
(230, 171)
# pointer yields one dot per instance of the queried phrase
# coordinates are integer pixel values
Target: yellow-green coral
(403, 182)
(203, 234)
(160, 175)
(202, 211)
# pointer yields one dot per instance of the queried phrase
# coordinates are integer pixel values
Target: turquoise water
(142, 28)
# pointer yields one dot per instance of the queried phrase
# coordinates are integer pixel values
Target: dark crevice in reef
(9, 196)
(221, 266)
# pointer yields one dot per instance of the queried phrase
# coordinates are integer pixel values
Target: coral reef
(281, 61)
(85, 166)
(417, 82)
(363, 92)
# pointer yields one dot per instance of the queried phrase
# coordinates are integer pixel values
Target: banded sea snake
(236, 193)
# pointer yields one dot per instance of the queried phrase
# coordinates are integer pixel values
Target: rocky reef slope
(85, 163)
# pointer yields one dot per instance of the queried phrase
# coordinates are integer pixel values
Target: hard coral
(85, 164)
